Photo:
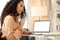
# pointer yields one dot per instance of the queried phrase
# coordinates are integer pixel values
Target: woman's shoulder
(8, 17)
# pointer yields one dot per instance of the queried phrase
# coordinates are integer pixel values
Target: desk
(46, 36)
(52, 34)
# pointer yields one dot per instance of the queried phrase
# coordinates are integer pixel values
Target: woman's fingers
(30, 32)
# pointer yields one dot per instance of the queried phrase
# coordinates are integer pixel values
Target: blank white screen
(42, 26)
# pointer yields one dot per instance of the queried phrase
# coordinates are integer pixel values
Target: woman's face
(20, 7)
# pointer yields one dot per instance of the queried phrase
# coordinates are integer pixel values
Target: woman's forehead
(21, 3)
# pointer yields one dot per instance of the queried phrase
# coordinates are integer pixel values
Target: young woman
(11, 27)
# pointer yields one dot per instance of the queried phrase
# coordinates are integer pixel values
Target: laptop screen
(42, 26)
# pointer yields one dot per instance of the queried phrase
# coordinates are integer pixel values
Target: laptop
(41, 26)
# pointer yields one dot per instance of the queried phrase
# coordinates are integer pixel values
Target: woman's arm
(26, 32)
(8, 25)
(8, 28)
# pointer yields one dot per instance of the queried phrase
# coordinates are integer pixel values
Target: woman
(11, 27)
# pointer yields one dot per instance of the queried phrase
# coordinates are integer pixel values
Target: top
(8, 27)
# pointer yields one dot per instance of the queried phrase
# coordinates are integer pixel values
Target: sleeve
(8, 25)
(8, 29)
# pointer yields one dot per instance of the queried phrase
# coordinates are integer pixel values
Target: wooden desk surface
(46, 34)
(52, 34)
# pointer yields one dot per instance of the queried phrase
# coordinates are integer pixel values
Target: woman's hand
(28, 33)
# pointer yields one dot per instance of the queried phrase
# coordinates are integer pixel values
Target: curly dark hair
(10, 8)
